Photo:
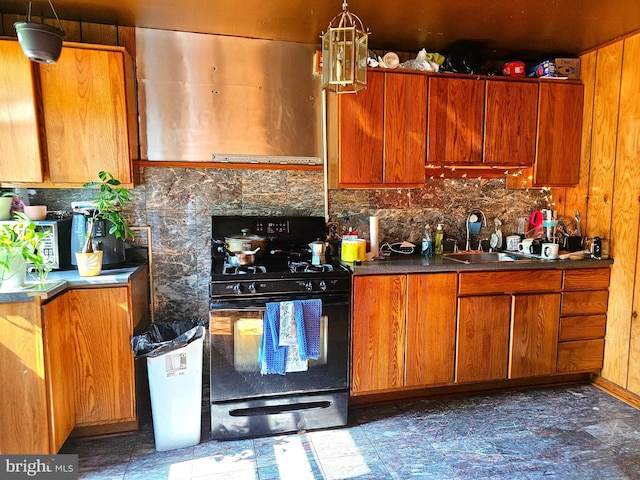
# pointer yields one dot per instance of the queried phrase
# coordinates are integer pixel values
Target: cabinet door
(431, 328)
(19, 137)
(361, 133)
(534, 335)
(455, 120)
(378, 332)
(510, 123)
(24, 427)
(84, 103)
(405, 128)
(483, 338)
(559, 134)
(105, 390)
(59, 369)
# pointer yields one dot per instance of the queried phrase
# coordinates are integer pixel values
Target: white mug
(550, 250)
(525, 245)
(512, 242)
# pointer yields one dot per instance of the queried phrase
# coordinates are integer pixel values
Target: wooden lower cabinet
(483, 338)
(534, 335)
(66, 365)
(378, 332)
(583, 320)
(105, 381)
(58, 364)
(403, 332)
(24, 413)
(431, 329)
(417, 330)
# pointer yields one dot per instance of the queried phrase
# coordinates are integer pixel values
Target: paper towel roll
(373, 235)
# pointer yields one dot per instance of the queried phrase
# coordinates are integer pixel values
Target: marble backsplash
(177, 204)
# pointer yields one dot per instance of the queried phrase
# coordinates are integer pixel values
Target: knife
(578, 223)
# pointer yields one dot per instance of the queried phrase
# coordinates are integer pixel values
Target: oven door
(236, 335)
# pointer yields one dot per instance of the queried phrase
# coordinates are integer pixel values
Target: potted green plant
(110, 198)
(19, 242)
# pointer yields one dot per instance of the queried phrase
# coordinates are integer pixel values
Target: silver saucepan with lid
(246, 242)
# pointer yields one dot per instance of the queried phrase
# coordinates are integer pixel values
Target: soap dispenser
(439, 239)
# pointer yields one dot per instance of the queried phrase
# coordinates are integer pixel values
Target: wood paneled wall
(80, 32)
(611, 151)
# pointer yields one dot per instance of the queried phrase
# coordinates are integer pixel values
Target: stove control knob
(322, 285)
(252, 287)
(237, 289)
(308, 286)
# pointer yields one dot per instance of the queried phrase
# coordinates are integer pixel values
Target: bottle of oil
(439, 239)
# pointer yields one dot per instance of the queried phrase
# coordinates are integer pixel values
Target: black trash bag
(162, 337)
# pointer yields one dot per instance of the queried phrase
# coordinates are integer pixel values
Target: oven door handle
(260, 305)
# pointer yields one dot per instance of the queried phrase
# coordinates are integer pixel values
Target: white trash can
(175, 388)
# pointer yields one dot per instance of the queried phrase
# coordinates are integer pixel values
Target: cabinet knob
(634, 314)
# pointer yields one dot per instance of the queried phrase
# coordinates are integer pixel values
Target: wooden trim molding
(454, 390)
(255, 166)
(616, 391)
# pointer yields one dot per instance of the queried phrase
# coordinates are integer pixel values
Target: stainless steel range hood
(227, 99)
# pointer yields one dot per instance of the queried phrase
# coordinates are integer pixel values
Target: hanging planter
(40, 42)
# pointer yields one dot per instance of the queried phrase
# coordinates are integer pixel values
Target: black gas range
(284, 267)
(246, 400)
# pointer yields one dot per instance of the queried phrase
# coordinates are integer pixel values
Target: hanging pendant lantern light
(344, 53)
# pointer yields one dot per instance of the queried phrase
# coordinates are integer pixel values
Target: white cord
(405, 248)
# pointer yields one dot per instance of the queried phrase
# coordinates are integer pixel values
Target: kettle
(318, 250)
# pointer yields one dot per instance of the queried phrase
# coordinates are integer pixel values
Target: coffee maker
(113, 248)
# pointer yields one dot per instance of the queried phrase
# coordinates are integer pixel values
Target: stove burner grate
(306, 267)
(243, 269)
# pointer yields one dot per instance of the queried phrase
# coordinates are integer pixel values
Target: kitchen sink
(487, 257)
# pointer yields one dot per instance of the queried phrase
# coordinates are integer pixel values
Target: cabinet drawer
(586, 279)
(582, 327)
(510, 282)
(580, 356)
(584, 303)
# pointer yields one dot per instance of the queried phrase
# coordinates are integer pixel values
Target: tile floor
(576, 432)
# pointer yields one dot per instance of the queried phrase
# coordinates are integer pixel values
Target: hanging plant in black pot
(40, 42)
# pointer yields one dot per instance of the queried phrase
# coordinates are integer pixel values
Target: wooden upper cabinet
(19, 135)
(382, 132)
(86, 115)
(378, 333)
(510, 123)
(361, 133)
(559, 134)
(405, 124)
(455, 121)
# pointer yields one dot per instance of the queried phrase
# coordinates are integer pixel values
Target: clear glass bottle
(427, 243)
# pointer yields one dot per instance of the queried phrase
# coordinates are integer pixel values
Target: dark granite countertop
(398, 263)
(60, 280)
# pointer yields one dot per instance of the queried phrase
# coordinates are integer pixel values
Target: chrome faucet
(473, 218)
